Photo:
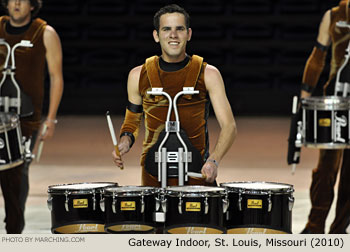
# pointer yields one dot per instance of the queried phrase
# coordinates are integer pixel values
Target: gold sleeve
(131, 124)
(314, 67)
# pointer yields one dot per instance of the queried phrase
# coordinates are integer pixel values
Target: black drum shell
(76, 216)
(324, 132)
(10, 126)
(213, 220)
(279, 218)
(133, 220)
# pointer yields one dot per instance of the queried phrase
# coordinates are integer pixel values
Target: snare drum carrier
(13, 103)
(75, 208)
(194, 210)
(325, 122)
(129, 209)
(259, 207)
(168, 151)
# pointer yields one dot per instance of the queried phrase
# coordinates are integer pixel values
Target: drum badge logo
(340, 122)
(2, 143)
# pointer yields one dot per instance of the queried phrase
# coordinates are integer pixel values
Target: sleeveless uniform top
(30, 67)
(192, 109)
(340, 37)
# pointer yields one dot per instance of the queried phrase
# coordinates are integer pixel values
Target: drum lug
(206, 205)
(114, 203)
(142, 204)
(49, 203)
(226, 204)
(66, 202)
(180, 205)
(291, 203)
(240, 201)
(157, 204)
(164, 205)
(102, 204)
(269, 202)
(93, 200)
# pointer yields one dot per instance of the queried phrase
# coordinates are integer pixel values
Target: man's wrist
(213, 161)
(55, 121)
(131, 137)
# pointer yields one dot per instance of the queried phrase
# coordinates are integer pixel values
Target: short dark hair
(172, 8)
(37, 4)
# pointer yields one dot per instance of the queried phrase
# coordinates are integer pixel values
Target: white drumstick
(195, 175)
(114, 139)
(41, 144)
(295, 104)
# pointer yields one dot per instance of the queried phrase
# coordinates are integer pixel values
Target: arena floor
(81, 150)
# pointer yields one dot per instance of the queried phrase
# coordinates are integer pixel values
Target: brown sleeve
(314, 67)
(131, 123)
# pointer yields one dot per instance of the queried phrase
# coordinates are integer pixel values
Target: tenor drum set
(237, 207)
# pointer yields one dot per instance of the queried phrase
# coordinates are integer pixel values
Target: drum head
(80, 188)
(130, 190)
(194, 191)
(258, 187)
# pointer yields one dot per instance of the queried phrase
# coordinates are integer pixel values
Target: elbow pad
(314, 66)
(131, 124)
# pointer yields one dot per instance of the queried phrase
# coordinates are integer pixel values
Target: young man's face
(19, 12)
(173, 36)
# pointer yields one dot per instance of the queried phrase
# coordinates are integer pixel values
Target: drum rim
(214, 191)
(76, 190)
(318, 103)
(144, 190)
(330, 145)
(289, 188)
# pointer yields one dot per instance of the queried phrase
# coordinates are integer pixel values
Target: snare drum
(195, 210)
(75, 208)
(325, 122)
(129, 209)
(11, 148)
(259, 207)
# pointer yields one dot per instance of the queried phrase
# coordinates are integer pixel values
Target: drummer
(30, 64)
(325, 174)
(172, 31)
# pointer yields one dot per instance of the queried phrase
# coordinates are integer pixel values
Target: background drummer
(325, 174)
(172, 32)
(30, 66)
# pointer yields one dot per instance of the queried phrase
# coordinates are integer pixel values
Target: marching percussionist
(325, 174)
(19, 25)
(172, 71)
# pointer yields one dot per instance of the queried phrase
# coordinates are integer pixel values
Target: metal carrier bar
(174, 127)
(11, 72)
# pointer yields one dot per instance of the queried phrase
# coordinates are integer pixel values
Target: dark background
(260, 47)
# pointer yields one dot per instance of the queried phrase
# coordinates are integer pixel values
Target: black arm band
(135, 108)
(131, 137)
(307, 88)
(321, 47)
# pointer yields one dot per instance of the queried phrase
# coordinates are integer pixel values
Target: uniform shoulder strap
(194, 71)
(36, 30)
(152, 71)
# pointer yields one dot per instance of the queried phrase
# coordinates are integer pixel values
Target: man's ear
(189, 34)
(155, 36)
